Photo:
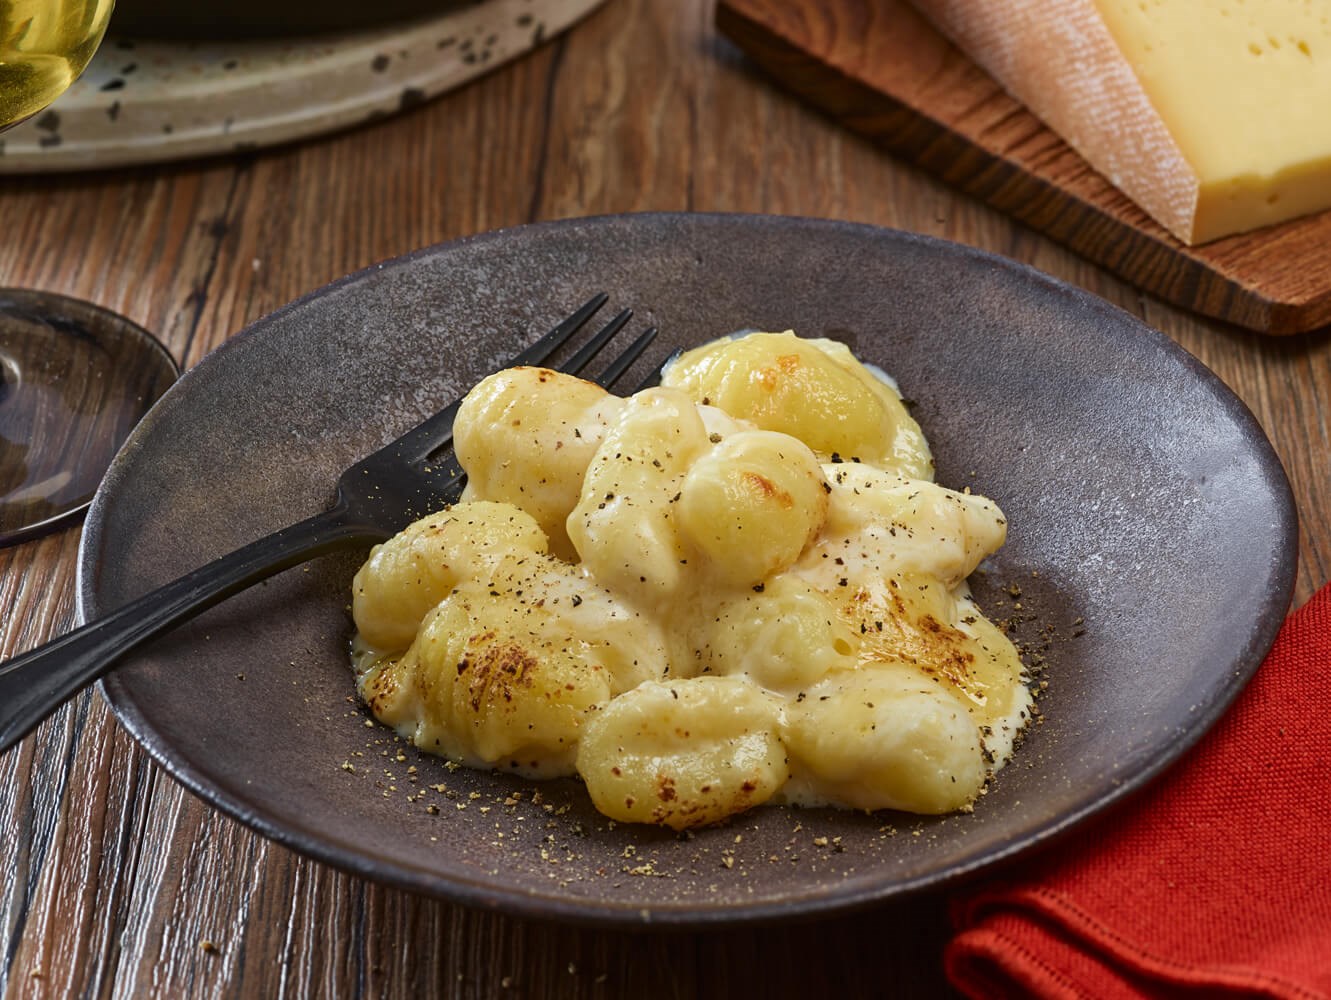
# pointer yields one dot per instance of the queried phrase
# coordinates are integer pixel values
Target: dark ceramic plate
(1152, 541)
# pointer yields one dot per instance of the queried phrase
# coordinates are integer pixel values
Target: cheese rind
(1210, 114)
(1245, 89)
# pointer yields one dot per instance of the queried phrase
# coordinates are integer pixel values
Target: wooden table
(115, 881)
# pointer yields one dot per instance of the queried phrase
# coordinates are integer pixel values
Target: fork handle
(34, 684)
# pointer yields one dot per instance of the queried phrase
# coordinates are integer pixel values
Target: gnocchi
(740, 587)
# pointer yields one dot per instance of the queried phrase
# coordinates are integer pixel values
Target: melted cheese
(1210, 114)
(742, 616)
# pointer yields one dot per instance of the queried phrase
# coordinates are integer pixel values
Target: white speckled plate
(148, 101)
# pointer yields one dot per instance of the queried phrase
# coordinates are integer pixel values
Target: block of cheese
(1213, 115)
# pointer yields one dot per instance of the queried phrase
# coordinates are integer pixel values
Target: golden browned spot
(748, 787)
(756, 483)
(422, 681)
(686, 814)
(665, 787)
(904, 628)
(381, 689)
(498, 671)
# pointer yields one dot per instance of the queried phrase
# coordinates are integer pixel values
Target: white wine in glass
(74, 378)
(44, 46)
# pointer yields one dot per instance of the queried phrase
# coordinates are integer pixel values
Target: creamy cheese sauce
(740, 587)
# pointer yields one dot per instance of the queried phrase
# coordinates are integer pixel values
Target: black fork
(376, 498)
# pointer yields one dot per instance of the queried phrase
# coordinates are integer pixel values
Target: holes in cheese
(1210, 114)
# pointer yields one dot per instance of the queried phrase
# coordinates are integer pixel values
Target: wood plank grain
(882, 70)
(112, 876)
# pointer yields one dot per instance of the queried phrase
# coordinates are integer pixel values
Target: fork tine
(624, 362)
(436, 431)
(548, 344)
(654, 376)
(589, 350)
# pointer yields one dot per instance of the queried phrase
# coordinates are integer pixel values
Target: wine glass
(74, 378)
(44, 46)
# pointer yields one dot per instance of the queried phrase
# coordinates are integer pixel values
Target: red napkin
(1214, 882)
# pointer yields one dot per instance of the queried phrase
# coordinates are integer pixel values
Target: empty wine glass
(74, 378)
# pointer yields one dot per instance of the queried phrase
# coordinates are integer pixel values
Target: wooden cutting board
(879, 68)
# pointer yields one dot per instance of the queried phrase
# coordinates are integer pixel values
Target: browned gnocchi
(740, 587)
